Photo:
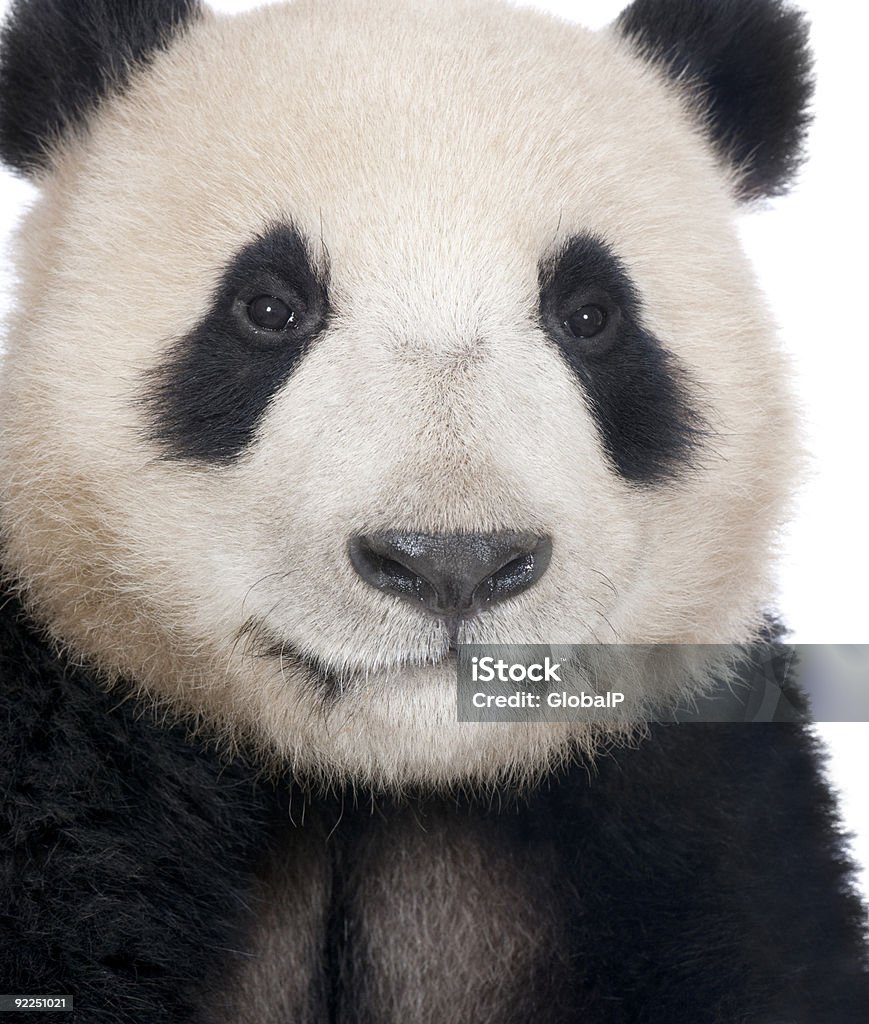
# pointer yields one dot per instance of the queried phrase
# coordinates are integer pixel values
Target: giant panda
(349, 334)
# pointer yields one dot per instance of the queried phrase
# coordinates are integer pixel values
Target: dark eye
(271, 313)
(586, 322)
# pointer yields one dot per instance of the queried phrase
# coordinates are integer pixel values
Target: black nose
(451, 573)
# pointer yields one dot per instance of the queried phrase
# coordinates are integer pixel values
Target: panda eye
(271, 313)
(587, 321)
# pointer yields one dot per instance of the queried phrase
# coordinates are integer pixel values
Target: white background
(808, 249)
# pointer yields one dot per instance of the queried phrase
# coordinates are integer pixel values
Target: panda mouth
(327, 682)
(318, 675)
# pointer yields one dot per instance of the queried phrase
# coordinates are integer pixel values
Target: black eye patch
(207, 398)
(637, 390)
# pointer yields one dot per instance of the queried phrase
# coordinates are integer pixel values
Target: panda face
(343, 341)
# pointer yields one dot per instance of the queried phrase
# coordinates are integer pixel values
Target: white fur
(437, 150)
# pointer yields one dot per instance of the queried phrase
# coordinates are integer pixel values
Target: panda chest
(411, 918)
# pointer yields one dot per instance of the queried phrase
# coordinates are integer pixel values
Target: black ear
(750, 63)
(60, 58)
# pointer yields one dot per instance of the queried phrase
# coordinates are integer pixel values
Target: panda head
(349, 332)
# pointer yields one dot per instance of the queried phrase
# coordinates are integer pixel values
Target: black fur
(60, 58)
(207, 398)
(751, 63)
(701, 873)
(637, 391)
(123, 848)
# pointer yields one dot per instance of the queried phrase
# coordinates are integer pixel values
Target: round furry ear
(60, 58)
(750, 65)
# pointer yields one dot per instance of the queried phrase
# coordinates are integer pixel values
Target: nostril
(508, 579)
(387, 573)
(517, 575)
